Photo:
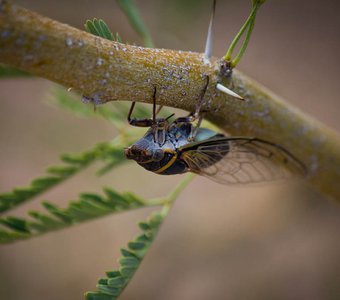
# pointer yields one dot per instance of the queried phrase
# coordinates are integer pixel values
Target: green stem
(179, 188)
(233, 44)
(172, 196)
(244, 44)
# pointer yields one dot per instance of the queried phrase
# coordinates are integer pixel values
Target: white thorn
(208, 44)
(227, 91)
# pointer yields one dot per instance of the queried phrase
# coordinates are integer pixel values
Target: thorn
(208, 44)
(227, 91)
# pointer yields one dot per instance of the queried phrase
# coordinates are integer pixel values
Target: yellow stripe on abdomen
(170, 162)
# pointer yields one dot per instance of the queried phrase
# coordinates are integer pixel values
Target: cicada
(177, 147)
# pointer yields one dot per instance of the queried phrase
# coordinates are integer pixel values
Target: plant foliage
(111, 286)
(111, 153)
(91, 205)
(54, 175)
(11, 72)
(88, 207)
(99, 28)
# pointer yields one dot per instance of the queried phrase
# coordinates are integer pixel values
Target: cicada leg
(197, 115)
(143, 122)
(201, 99)
(159, 109)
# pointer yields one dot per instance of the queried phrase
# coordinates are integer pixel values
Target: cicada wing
(240, 160)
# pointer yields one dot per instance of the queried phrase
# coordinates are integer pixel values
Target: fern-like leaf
(111, 286)
(99, 28)
(88, 207)
(73, 163)
(6, 72)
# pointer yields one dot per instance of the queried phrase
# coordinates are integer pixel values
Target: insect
(177, 147)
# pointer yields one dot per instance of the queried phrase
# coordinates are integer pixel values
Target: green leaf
(89, 206)
(117, 38)
(16, 224)
(127, 253)
(54, 176)
(144, 226)
(105, 30)
(6, 72)
(112, 274)
(127, 272)
(131, 262)
(106, 289)
(117, 280)
(98, 296)
(99, 28)
(136, 245)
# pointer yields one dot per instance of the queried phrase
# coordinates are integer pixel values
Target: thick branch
(107, 71)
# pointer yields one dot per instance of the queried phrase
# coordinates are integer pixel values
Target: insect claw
(227, 91)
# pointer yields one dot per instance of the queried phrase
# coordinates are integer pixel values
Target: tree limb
(107, 71)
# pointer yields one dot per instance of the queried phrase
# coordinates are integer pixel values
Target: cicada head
(144, 150)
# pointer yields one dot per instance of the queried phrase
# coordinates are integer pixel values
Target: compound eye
(158, 155)
(146, 153)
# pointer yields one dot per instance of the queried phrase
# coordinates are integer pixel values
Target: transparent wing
(239, 160)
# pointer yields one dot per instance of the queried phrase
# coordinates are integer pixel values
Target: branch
(107, 71)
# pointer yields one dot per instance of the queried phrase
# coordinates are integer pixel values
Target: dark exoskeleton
(178, 147)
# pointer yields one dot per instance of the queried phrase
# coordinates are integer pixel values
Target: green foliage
(11, 72)
(111, 153)
(88, 207)
(91, 205)
(111, 286)
(73, 163)
(99, 28)
(258, 2)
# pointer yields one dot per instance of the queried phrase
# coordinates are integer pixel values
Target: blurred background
(278, 241)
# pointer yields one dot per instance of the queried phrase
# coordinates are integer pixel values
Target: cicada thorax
(156, 153)
(180, 135)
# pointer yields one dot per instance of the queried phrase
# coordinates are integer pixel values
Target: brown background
(268, 242)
